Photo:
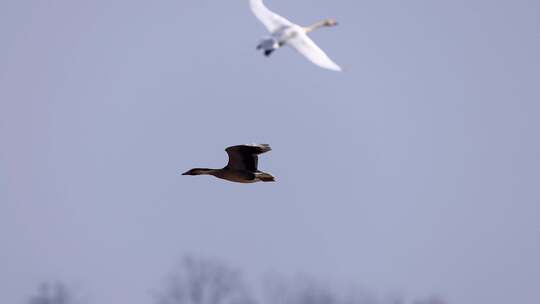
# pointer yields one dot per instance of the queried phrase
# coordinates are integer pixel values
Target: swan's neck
(320, 24)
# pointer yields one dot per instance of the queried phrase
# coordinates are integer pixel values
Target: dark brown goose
(242, 166)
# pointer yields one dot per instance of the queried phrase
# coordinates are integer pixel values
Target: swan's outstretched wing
(271, 21)
(305, 46)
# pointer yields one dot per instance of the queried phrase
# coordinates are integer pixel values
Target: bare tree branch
(202, 281)
(56, 293)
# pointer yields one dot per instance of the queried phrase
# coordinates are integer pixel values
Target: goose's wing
(244, 157)
(305, 46)
(271, 20)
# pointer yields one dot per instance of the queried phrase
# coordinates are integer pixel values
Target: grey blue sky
(415, 171)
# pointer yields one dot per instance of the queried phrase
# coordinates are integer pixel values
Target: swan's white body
(284, 32)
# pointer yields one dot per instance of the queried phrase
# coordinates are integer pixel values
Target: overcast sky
(414, 171)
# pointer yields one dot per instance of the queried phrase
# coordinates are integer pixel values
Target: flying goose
(242, 166)
(284, 32)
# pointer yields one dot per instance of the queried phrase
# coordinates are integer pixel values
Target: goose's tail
(265, 177)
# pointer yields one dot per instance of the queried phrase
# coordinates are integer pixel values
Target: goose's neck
(205, 171)
(210, 171)
(320, 24)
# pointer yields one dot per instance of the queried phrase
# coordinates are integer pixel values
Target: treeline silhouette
(208, 281)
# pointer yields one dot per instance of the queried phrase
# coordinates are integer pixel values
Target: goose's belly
(237, 176)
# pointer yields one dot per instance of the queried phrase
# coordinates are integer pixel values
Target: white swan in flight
(284, 32)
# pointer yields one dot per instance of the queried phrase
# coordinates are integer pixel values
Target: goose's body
(283, 32)
(242, 166)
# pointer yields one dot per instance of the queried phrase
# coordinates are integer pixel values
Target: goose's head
(198, 171)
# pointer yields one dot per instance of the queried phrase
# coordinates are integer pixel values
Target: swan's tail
(269, 45)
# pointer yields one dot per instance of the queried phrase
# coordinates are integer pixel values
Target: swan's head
(330, 22)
